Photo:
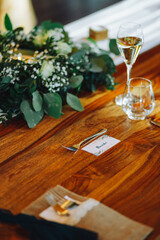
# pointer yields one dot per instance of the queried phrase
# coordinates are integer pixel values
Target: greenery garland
(42, 70)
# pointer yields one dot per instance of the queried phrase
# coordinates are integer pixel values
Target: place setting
(71, 209)
(95, 144)
(75, 216)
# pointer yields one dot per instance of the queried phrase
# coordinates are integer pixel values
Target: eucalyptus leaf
(18, 88)
(32, 118)
(98, 64)
(113, 46)
(77, 56)
(37, 101)
(109, 82)
(48, 25)
(32, 89)
(28, 83)
(74, 102)
(75, 81)
(93, 87)
(85, 46)
(52, 104)
(110, 66)
(7, 23)
(4, 87)
(6, 80)
(92, 41)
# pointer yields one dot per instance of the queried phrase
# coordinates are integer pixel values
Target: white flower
(39, 39)
(63, 48)
(56, 34)
(50, 33)
(46, 69)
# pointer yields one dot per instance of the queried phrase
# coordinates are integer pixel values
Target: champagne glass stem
(128, 72)
(124, 99)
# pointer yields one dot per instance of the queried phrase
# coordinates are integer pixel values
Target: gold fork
(77, 146)
(59, 209)
(64, 200)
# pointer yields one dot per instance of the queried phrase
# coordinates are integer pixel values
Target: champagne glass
(129, 41)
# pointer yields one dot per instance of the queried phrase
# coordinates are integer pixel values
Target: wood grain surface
(125, 178)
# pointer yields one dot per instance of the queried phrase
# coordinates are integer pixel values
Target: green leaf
(15, 95)
(47, 25)
(32, 118)
(92, 87)
(32, 89)
(109, 82)
(85, 46)
(52, 104)
(92, 41)
(5, 80)
(74, 102)
(4, 122)
(7, 23)
(18, 29)
(75, 81)
(110, 66)
(113, 46)
(77, 56)
(4, 84)
(98, 64)
(18, 88)
(37, 101)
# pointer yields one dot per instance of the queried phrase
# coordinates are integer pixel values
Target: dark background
(66, 11)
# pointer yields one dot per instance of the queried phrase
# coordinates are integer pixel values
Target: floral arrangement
(42, 70)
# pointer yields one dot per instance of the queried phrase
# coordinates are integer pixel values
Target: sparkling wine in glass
(129, 41)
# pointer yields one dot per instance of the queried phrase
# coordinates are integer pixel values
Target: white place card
(100, 145)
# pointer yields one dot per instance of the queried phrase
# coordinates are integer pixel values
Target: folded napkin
(45, 230)
(92, 215)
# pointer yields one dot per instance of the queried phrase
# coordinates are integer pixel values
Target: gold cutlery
(64, 200)
(59, 209)
(77, 146)
(60, 203)
(155, 123)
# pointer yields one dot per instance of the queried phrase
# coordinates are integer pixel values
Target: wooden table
(125, 178)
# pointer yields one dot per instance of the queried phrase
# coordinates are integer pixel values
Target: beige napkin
(95, 216)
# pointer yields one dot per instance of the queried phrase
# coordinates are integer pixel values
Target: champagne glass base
(119, 100)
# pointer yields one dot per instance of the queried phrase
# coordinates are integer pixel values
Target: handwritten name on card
(100, 145)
